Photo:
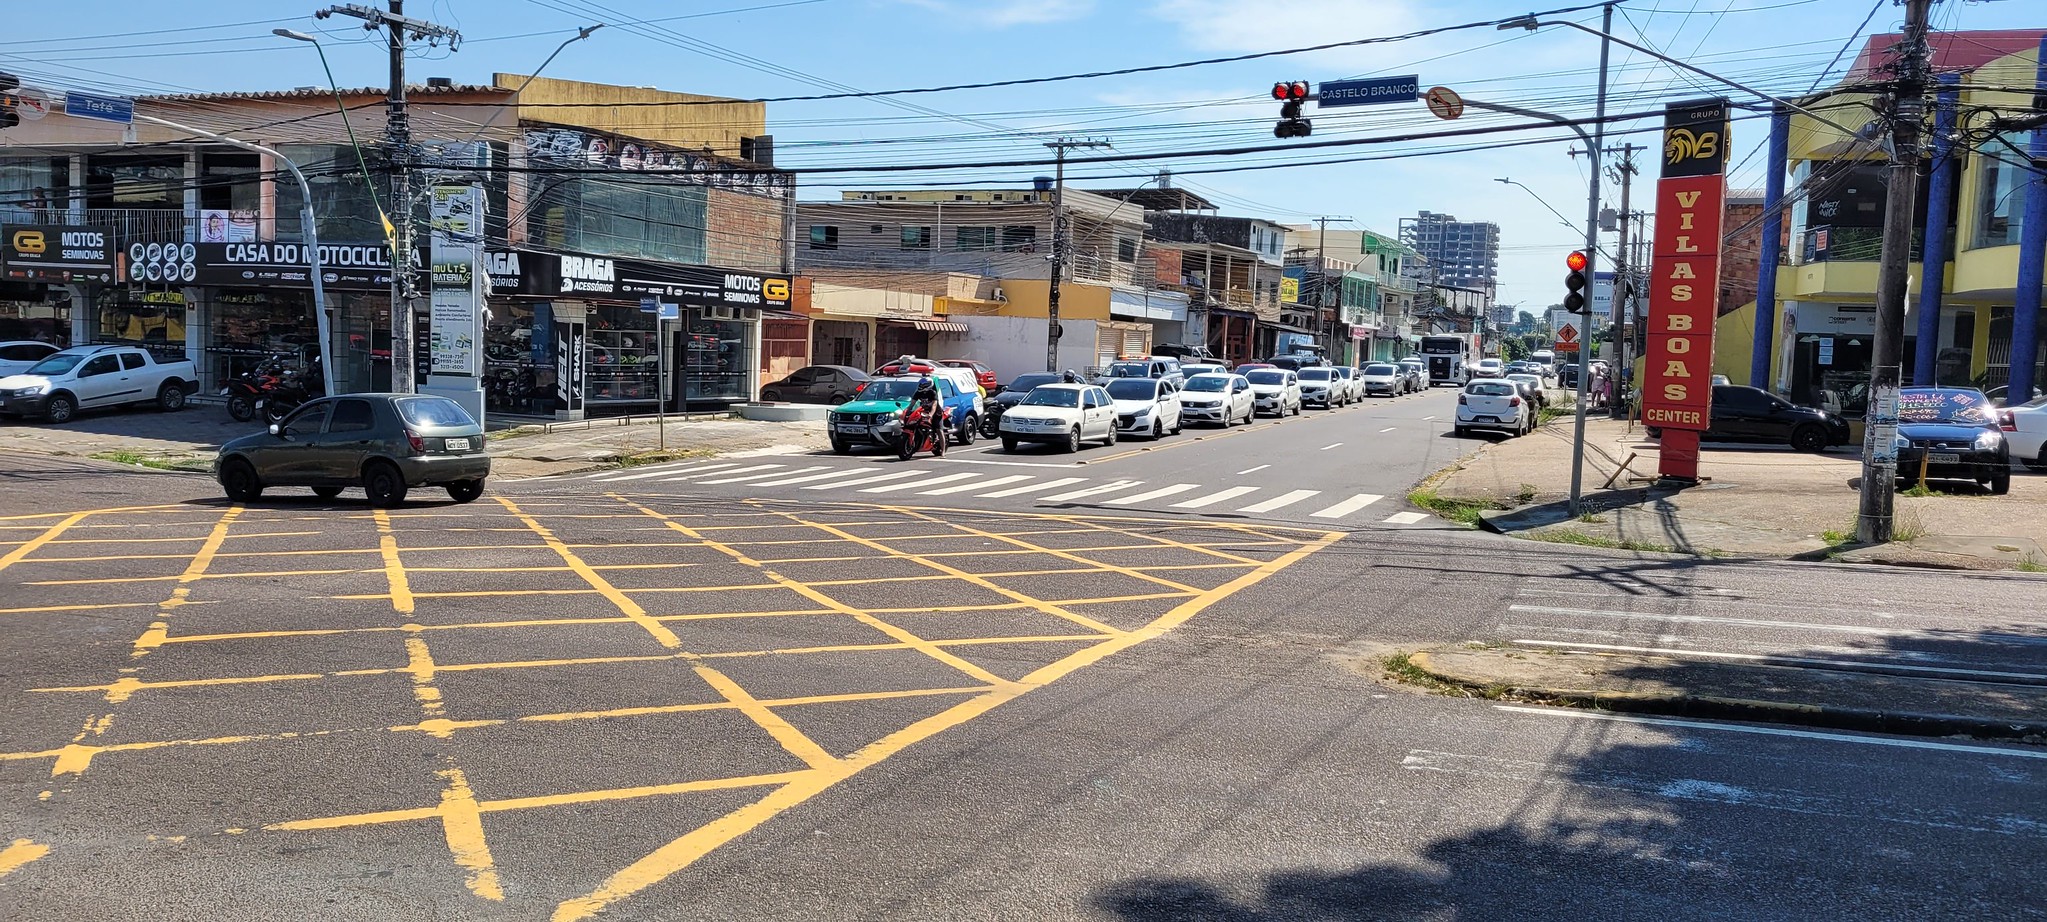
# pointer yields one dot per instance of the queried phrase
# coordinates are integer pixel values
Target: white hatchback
(1218, 397)
(1062, 414)
(1146, 407)
(1494, 404)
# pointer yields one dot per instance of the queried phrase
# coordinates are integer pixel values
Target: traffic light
(1574, 284)
(8, 84)
(1291, 96)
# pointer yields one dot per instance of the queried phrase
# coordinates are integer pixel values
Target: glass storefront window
(45, 321)
(2001, 193)
(154, 320)
(620, 358)
(518, 365)
(250, 326)
(716, 359)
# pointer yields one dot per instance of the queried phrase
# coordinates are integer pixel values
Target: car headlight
(31, 390)
(1989, 440)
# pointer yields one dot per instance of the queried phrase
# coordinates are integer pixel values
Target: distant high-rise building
(1465, 254)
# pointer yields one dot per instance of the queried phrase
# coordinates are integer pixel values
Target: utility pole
(405, 294)
(1052, 331)
(1905, 106)
(1322, 298)
(1623, 281)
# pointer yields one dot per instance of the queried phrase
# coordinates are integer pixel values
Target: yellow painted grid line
(1131, 572)
(49, 534)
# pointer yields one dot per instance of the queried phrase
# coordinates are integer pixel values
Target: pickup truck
(96, 377)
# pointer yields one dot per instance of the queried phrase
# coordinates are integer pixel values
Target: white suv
(1495, 404)
(1062, 414)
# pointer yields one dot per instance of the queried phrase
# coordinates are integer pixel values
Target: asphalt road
(652, 700)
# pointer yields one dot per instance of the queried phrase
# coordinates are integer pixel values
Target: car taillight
(418, 444)
(1513, 401)
(2005, 421)
(1461, 401)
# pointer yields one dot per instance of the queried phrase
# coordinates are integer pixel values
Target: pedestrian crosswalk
(866, 481)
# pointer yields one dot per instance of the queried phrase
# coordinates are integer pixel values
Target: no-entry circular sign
(1444, 102)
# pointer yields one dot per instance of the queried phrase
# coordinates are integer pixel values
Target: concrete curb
(1763, 711)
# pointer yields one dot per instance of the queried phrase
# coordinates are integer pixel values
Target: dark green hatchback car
(383, 443)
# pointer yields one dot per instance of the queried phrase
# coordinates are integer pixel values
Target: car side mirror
(277, 430)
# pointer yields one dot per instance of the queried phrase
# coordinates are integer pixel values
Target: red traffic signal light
(1576, 261)
(1279, 91)
(1576, 282)
(1284, 91)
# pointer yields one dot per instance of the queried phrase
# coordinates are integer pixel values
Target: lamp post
(1539, 199)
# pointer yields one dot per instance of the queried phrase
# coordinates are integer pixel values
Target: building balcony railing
(145, 224)
(1829, 243)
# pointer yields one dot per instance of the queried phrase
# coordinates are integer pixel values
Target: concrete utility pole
(405, 294)
(1624, 269)
(1322, 297)
(1905, 107)
(1052, 331)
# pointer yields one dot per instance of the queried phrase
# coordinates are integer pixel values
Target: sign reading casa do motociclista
(1684, 278)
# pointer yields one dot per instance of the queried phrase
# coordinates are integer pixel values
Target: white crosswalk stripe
(800, 470)
(912, 485)
(1216, 497)
(813, 478)
(1037, 487)
(1348, 506)
(1111, 487)
(1405, 518)
(863, 480)
(978, 485)
(662, 471)
(1281, 501)
(1160, 493)
(770, 468)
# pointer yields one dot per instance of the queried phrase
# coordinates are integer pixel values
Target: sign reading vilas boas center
(1684, 282)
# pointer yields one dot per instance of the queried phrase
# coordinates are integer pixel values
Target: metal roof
(321, 92)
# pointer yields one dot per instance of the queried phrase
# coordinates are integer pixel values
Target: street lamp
(389, 230)
(1544, 202)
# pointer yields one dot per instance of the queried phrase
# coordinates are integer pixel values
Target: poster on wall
(455, 304)
(221, 225)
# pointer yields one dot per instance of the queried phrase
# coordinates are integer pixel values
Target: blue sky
(800, 48)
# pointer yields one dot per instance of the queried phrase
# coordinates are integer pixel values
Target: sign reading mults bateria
(1684, 281)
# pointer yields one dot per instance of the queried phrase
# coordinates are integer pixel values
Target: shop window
(518, 358)
(153, 320)
(824, 237)
(135, 181)
(620, 356)
(970, 239)
(34, 190)
(916, 238)
(342, 200)
(46, 319)
(1019, 238)
(251, 327)
(230, 181)
(716, 360)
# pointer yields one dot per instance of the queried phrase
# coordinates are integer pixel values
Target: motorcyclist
(926, 398)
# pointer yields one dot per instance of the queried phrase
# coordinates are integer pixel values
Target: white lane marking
(1703, 619)
(800, 470)
(863, 480)
(1255, 469)
(1847, 665)
(1160, 493)
(1033, 488)
(1427, 418)
(1330, 446)
(663, 470)
(813, 478)
(1284, 499)
(948, 459)
(914, 484)
(1110, 487)
(981, 485)
(1778, 731)
(1389, 428)
(1348, 506)
(1216, 497)
(1405, 518)
(781, 468)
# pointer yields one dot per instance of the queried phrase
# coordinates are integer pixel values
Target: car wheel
(2000, 483)
(384, 486)
(837, 399)
(326, 492)
(1008, 443)
(2039, 460)
(238, 479)
(1158, 430)
(465, 491)
(1110, 439)
(1073, 439)
(967, 430)
(60, 409)
(1809, 438)
(170, 398)
(839, 446)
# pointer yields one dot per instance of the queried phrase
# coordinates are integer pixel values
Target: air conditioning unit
(721, 313)
(1001, 297)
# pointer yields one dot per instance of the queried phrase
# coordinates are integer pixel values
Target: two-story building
(1245, 300)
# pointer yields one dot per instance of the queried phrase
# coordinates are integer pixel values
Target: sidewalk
(188, 439)
(1778, 693)
(1759, 501)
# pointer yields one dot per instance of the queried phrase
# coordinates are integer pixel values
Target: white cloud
(1002, 14)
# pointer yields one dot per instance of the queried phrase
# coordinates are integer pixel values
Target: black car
(827, 384)
(1951, 433)
(1750, 414)
(1012, 394)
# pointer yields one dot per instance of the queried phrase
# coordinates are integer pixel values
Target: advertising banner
(1684, 276)
(59, 253)
(568, 364)
(604, 278)
(351, 266)
(455, 306)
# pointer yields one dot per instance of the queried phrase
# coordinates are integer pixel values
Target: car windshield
(1130, 370)
(1053, 397)
(1491, 390)
(1132, 389)
(1943, 405)
(57, 364)
(1317, 374)
(1381, 370)
(892, 389)
(1024, 383)
(1207, 383)
(1525, 379)
(1192, 370)
(1267, 376)
(434, 412)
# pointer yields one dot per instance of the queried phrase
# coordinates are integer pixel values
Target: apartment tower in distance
(1462, 254)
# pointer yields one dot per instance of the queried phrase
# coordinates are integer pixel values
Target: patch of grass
(1581, 539)
(1835, 537)
(1550, 413)
(139, 459)
(1590, 518)
(1526, 494)
(513, 433)
(1917, 489)
(1401, 668)
(2030, 563)
(1464, 511)
(662, 456)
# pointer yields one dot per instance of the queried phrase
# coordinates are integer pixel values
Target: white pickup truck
(96, 377)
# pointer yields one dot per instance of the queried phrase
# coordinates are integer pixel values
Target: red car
(906, 366)
(982, 373)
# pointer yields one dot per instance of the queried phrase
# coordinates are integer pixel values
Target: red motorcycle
(923, 430)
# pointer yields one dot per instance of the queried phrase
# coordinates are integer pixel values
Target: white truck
(96, 377)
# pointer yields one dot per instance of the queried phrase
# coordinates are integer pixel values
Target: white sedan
(2025, 432)
(1218, 397)
(1145, 406)
(1062, 414)
(1275, 390)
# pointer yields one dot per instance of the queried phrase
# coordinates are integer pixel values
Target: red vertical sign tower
(1684, 282)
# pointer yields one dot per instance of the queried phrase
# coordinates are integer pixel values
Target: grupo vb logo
(29, 242)
(1682, 144)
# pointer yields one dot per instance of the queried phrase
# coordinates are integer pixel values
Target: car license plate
(851, 428)
(457, 444)
(1943, 457)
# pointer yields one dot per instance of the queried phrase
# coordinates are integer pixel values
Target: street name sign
(1369, 92)
(116, 109)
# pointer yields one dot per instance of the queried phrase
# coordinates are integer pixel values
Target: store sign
(585, 149)
(568, 364)
(355, 266)
(603, 278)
(455, 304)
(1677, 390)
(56, 253)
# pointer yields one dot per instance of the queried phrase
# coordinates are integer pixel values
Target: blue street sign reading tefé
(115, 109)
(1365, 92)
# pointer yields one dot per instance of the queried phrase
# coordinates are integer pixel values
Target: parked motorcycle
(292, 390)
(923, 430)
(247, 394)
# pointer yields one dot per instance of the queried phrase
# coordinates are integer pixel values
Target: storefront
(1230, 335)
(1829, 354)
(573, 334)
(49, 274)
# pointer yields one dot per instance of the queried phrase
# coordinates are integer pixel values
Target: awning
(1148, 305)
(1388, 335)
(1283, 327)
(930, 326)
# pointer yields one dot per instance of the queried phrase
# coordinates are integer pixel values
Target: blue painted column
(1774, 166)
(1940, 213)
(2025, 321)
